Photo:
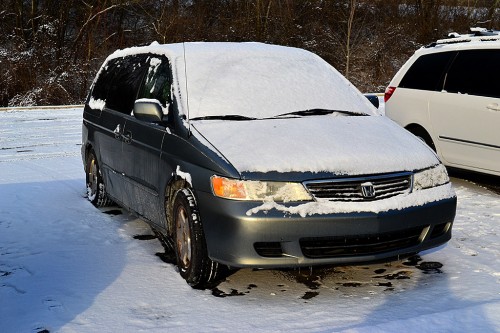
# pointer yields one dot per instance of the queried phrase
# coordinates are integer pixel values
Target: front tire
(199, 271)
(96, 190)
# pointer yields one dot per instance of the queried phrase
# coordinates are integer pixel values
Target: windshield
(263, 81)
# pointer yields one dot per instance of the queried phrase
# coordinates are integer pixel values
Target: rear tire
(199, 271)
(96, 190)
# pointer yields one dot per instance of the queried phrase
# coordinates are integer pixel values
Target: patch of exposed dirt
(145, 237)
(113, 212)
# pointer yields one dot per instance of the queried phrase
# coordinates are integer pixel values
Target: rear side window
(475, 72)
(119, 82)
(428, 72)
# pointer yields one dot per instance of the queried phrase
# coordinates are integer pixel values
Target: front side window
(428, 72)
(475, 72)
(157, 82)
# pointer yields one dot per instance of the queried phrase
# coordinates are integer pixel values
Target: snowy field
(66, 266)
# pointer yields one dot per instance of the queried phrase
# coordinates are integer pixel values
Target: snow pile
(97, 104)
(184, 175)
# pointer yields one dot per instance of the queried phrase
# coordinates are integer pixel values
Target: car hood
(335, 144)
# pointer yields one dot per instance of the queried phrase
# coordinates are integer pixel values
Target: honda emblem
(367, 190)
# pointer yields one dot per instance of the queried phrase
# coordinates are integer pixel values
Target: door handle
(117, 132)
(493, 107)
(127, 137)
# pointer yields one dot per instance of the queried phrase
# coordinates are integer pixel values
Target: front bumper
(271, 239)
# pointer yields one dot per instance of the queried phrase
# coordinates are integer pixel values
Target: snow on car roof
(253, 79)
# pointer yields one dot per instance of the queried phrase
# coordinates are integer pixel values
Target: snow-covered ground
(66, 266)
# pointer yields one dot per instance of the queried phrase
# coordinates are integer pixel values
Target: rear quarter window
(475, 72)
(428, 72)
(103, 84)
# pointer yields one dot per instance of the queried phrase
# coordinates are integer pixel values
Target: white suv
(448, 94)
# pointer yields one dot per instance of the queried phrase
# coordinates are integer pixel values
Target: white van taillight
(388, 93)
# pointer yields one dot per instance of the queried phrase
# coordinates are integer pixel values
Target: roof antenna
(187, 91)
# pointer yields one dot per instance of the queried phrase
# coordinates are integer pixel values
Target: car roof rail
(477, 34)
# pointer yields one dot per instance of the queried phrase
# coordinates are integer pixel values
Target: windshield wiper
(318, 112)
(225, 117)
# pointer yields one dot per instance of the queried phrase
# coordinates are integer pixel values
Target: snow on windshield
(259, 80)
(252, 79)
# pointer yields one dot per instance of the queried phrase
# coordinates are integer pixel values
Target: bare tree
(350, 21)
(50, 50)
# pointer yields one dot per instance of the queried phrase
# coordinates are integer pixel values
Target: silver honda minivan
(255, 155)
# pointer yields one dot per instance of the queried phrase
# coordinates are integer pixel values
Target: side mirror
(373, 99)
(149, 110)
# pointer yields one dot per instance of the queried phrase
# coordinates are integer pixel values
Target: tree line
(50, 50)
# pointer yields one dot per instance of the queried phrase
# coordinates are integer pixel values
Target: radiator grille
(361, 188)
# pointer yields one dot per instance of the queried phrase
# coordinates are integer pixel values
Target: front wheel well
(173, 187)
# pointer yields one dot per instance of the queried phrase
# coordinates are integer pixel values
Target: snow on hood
(352, 145)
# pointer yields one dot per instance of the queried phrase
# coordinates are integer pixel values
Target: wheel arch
(420, 132)
(175, 184)
(88, 148)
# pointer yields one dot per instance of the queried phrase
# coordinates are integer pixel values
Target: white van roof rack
(476, 34)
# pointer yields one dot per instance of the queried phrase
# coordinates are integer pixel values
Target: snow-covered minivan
(448, 94)
(255, 155)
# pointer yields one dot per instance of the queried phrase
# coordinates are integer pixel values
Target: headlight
(258, 191)
(432, 177)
